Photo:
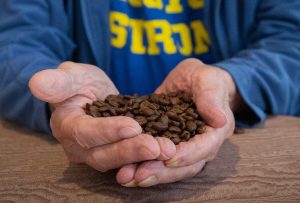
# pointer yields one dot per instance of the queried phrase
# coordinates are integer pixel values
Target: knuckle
(149, 148)
(66, 65)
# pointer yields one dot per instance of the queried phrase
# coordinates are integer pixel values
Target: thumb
(69, 79)
(52, 86)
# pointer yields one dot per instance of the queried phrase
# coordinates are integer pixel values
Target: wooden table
(258, 166)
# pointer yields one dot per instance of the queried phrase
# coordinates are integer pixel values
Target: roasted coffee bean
(189, 110)
(94, 111)
(176, 139)
(151, 130)
(193, 115)
(153, 117)
(103, 108)
(136, 105)
(159, 126)
(141, 120)
(136, 111)
(198, 122)
(191, 125)
(129, 114)
(186, 98)
(175, 123)
(99, 103)
(150, 124)
(174, 129)
(164, 119)
(185, 135)
(121, 110)
(147, 111)
(164, 101)
(167, 134)
(112, 112)
(177, 109)
(189, 118)
(201, 129)
(106, 114)
(173, 115)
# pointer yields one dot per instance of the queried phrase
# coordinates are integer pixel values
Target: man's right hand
(102, 143)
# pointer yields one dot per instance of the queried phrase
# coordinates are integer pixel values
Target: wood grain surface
(262, 165)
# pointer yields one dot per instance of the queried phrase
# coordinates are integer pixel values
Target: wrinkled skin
(107, 143)
(102, 143)
(213, 91)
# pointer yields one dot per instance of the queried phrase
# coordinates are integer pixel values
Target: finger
(155, 172)
(125, 175)
(140, 148)
(167, 148)
(200, 147)
(89, 132)
(56, 85)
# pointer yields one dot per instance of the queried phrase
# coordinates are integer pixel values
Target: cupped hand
(102, 143)
(214, 93)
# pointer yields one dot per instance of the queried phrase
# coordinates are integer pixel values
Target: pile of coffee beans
(173, 115)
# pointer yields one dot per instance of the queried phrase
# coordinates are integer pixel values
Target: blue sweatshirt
(256, 41)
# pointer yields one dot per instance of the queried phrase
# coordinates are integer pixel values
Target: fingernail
(152, 180)
(128, 132)
(173, 163)
(130, 184)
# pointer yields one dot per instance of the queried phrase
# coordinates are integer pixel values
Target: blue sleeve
(267, 72)
(33, 37)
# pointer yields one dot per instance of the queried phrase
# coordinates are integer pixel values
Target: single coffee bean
(167, 134)
(174, 123)
(189, 118)
(164, 119)
(171, 114)
(136, 111)
(185, 135)
(153, 117)
(141, 120)
(174, 129)
(112, 112)
(193, 115)
(106, 114)
(129, 114)
(103, 108)
(121, 110)
(135, 105)
(159, 126)
(201, 129)
(191, 125)
(147, 111)
(99, 103)
(176, 140)
(186, 98)
(163, 101)
(198, 122)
